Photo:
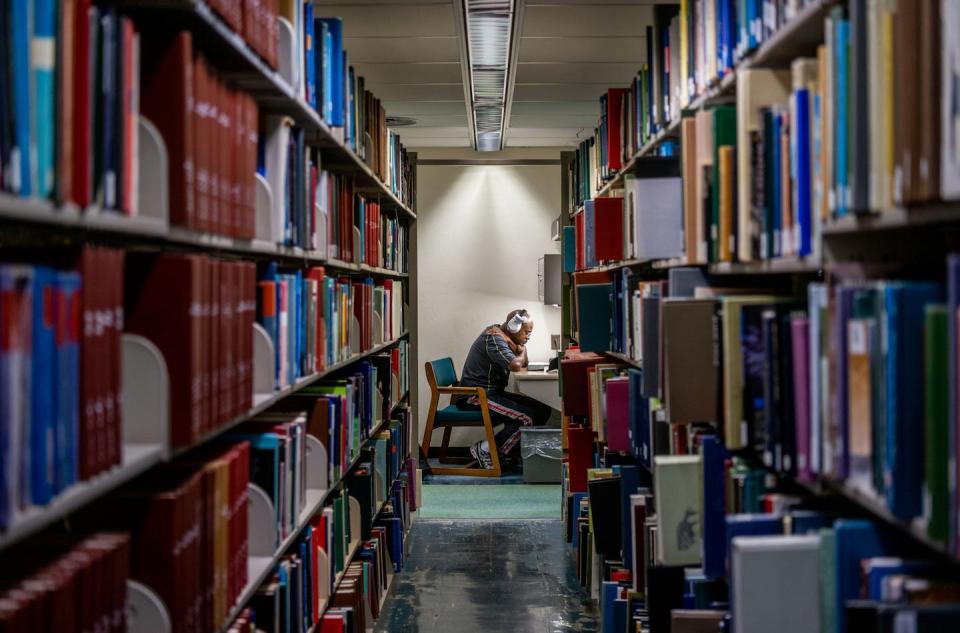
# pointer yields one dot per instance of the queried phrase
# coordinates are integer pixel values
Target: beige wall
(480, 231)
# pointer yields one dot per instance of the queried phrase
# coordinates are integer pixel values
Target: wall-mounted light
(489, 29)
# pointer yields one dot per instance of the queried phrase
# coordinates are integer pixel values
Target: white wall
(480, 231)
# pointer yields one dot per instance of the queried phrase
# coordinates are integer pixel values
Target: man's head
(519, 326)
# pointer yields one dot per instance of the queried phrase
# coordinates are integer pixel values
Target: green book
(828, 581)
(340, 523)
(936, 495)
(724, 133)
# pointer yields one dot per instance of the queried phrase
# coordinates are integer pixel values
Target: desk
(541, 385)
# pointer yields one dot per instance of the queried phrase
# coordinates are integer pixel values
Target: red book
(614, 136)
(574, 368)
(203, 156)
(251, 166)
(131, 73)
(229, 288)
(168, 310)
(317, 274)
(82, 171)
(116, 352)
(579, 228)
(608, 234)
(166, 88)
(580, 456)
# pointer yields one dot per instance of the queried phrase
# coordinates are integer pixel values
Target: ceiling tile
(410, 73)
(559, 92)
(412, 143)
(613, 74)
(433, 121)
(560, 121)
(582, 49)
(540, 142)
(403, 49)
(434, 132)
(579, 21)
(546, 132)
(420, 92)
(394, 20)
(591, 107)
(431, 108)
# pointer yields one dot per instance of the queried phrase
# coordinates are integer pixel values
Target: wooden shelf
(785, 265)
(895, 218)
(136, 231)
(626, 359)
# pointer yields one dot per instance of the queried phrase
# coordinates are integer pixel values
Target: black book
(605, 511)
(665, 588)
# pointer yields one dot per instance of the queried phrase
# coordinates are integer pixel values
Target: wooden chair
(442, 378)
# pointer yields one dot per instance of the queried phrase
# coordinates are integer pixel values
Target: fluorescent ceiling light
(489, 31)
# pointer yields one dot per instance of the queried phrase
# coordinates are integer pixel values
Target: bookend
(146, 612)
(317, 472)
(286, 56)
(377, 329)
(264, 364)
(263, 210)
(153, 199)
(355, 526)
(357, 255)
(354, 336)
(146, 395)
(323, 581)
(261, 523)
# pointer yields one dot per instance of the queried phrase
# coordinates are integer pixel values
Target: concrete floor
(487, 576)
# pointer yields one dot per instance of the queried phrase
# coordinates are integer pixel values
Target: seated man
(499, 350)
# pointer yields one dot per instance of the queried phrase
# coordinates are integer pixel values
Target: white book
(275, 157)
(775, 584)
(678, 486)
(950, 148)
(658, 217)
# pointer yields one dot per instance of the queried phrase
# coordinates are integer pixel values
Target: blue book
(336, 70)
(569, 249)
(42, 425)
(594, 305)
(574, 535)
(395, 527)
(629, 484)
(309, 55)
(776, 203)
(856, 540)
(903, 322)
(953, 304)
(608, 596)
(67, 438)
(802, 181)
(324, 77)
(44, 78)
(748, 525)
(841, 115)
(589, 234)
(713, 455)
(351, 115)
(109, 28)
(639, 410)
(875, 570)
(808, 521)
(24, 175)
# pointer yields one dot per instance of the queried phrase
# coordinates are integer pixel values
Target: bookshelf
(755, 380)
(343, 215)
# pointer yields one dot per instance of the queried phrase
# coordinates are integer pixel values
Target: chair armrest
(461, 390)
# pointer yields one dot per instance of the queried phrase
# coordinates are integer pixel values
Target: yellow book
(859, 400)
(726, 185)
(691, 228)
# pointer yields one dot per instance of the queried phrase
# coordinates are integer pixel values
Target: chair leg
(428, 432)
(494, 451)
(444, 445)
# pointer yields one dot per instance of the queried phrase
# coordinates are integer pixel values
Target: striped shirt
(488, 362)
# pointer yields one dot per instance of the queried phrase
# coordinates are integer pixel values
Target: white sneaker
(481, 455)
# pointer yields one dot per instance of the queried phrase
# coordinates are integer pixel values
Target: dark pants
(512, 410)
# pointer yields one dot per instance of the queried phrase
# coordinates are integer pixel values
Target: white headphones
(515, 323)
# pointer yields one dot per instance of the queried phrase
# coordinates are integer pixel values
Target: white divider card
(322, 580)
(357, 255)
(354, 336)
(264, 208)
(317, 465)
(153, 193)
(286, 52)
(264, 362)
(355, 526)
(146, 611)
(377, 329)
(261, 523)
(146, 394)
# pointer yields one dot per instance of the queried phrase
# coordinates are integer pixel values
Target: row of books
(761, 176)
(70, 82)
(330, 85)
(62, 420)
(67, 583)
(199, 311)
(302, 592)
(255, 21)
(315, 320)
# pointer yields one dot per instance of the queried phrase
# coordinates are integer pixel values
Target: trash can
(542, 452)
